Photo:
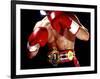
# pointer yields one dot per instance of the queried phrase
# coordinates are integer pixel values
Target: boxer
(58, 30)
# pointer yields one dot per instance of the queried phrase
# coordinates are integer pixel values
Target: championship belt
(54, 57)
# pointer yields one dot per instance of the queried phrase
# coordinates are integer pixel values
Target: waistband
(61, 56)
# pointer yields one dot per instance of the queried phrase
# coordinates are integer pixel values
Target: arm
(82, 33)
(71, 22)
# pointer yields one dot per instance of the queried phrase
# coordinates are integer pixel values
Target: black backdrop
(28, 20)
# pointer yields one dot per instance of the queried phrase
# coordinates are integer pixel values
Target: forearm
(83, 34)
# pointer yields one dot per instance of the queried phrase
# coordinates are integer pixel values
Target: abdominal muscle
(61, 42)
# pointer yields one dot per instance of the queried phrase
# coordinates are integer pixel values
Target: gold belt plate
(70, 55)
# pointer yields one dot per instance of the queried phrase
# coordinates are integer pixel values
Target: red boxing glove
(38, 36)
(60, 21)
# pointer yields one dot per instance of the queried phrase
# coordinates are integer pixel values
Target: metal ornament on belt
(70, 55)
(54, 57)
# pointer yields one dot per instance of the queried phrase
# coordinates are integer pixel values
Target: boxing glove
(38, 37)
(60, 21)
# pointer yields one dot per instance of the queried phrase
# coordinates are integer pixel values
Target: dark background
(28, 20)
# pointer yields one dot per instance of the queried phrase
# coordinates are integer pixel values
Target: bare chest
(61, 41)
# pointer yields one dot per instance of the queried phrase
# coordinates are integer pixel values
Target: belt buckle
(54, 58)
(70, 55)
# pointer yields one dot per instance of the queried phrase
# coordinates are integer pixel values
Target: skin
(58, 41)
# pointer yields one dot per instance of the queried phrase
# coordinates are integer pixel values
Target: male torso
(62, 41)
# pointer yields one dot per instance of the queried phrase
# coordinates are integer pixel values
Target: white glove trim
(74, 27)
(34, 47)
